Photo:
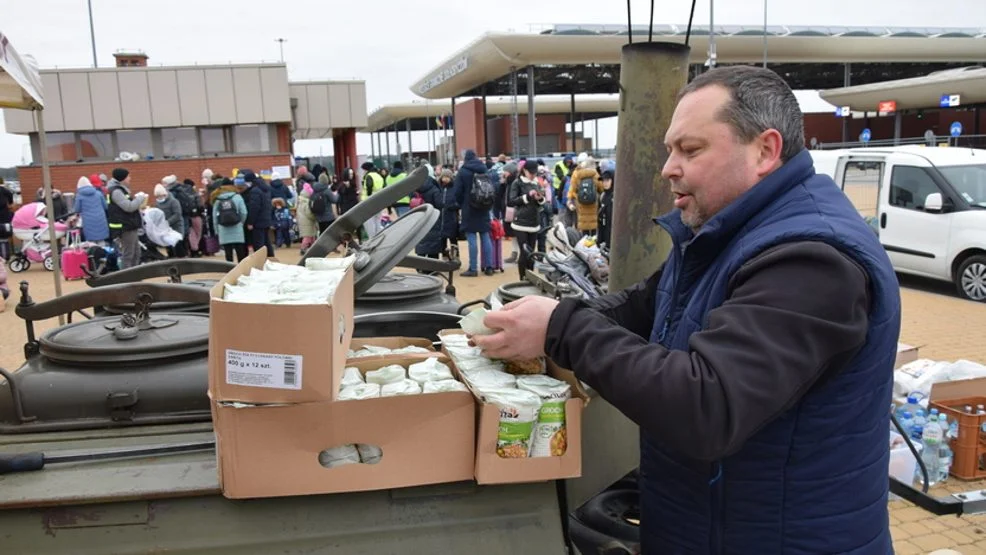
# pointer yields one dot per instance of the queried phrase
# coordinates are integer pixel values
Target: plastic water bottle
(944, 461)
(931, 455)
(911, 407)
(907, 423)
(919, 422)
(933, 411)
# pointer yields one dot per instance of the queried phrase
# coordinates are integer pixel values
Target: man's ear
(769, 156)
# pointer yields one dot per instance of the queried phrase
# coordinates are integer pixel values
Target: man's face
(708, 166)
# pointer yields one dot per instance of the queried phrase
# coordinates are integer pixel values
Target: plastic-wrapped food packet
(351, 376)
(430, 370)
(443, 386)
(360, 392)
(403, 387)
(550, 437)
(386, 375)
(518, 414)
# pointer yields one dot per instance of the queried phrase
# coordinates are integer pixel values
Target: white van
(927, 205)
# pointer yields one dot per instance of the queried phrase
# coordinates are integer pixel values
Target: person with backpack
(583, 194)
(323, 203)
(228, 214)
(124, 218)
(475, 193)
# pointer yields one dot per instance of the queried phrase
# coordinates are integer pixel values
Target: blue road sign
(956, 129)
(865, 135)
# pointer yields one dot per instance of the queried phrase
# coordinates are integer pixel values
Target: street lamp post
(92, 34)
(281, 43)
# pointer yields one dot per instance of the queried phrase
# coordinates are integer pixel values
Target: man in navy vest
(758, 359)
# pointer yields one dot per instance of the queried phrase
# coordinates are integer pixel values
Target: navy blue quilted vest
(815, 479)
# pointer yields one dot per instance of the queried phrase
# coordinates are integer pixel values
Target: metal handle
(163, 268)
(113, 295)
(25, 462)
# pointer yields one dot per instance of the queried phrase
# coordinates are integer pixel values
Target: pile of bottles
(931, 433)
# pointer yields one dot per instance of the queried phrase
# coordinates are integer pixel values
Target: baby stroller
(30, 225)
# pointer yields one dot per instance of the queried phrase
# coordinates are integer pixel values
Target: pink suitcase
(75, 259)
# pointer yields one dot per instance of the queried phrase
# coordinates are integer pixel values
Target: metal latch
(121, 404)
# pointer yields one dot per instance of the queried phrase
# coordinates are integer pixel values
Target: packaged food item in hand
(472, 323)
(550, 438)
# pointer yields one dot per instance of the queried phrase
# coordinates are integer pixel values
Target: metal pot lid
(401, 286)
(122, 339)
(169, 306)
(517, 289)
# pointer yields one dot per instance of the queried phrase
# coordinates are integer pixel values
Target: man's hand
(523, 325)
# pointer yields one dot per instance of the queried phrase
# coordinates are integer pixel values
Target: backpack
(189, 207)
(483, 192)
(417, 200)
(318, 204)
(228, 215)
(587, 191)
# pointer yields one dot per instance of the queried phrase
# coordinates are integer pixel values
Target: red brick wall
(468, 124)
(145, 174)
(548, 124)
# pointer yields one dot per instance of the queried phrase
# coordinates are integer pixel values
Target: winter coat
(279, 190)
(230, 234)
(527, 211)
(330, 198)
(432, 242)
(90, 203)
(449, 218)
(473, 220)
(6, 205)
(587, 213)
(348, 196)
(259, 207)
(307, 226)
(172, 213)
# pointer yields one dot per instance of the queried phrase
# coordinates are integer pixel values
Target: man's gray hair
(761, 100)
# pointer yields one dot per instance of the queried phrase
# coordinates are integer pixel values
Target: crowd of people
(481, 202)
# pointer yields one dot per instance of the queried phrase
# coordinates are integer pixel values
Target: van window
(909, 186)
(861, 183)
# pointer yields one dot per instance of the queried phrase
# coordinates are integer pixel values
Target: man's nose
(671, 169)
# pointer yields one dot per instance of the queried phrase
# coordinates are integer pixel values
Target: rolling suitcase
(75, 259)
(496, 237)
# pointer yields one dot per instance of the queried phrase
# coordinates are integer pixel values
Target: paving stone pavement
(945, 327)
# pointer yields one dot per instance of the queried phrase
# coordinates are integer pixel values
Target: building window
(251, 138)
(97, 144)
(213, 140)
(135, 140)
(179, 141)
(61, 147)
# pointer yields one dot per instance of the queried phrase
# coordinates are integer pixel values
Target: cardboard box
(273, 450)
(905, 354)
(392, 343)
(277, 353)
(493, 469)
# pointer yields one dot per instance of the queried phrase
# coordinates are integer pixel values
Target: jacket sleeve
(241, 207)
(459, 189)
(758, 354)
(120, 199)
(173, 212)
(576, 177)
(515, 195)
(254, 207)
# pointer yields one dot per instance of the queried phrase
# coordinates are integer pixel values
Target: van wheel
(971, 279)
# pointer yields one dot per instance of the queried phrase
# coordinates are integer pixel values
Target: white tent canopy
(20, 87)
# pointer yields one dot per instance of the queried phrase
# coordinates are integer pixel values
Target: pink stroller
(30, 225)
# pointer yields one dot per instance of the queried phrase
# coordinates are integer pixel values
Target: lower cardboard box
(279, 450)
(492, 469)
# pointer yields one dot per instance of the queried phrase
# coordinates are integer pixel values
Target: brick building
(181, 120)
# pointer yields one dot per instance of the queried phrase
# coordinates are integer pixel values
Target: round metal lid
(107, 340)
(381, 253)
(516, 289)
(169, 306)
(401, 286)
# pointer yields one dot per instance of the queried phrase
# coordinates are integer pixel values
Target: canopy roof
(914, 93)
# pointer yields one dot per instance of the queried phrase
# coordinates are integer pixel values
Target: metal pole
(428, 136)
(372, 154)
(379, 147)
(453, 144)
(446, 144)
(486, 118)
(281, 43)
(514, 117)
(712, 35)
(410, 145)
(845, 121)
(92, 35)
(897, 121)
(387, 135)
(572, 119)
(595, 136)
(765, 34)
(532, 132)
(50, 206)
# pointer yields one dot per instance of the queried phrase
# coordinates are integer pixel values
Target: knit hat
(249, 176)
(274, 175)
(207, 174)
(120, 174)
(607, 174)
(168, 180)
(189, 182)
(160, 191)
(95, 180)
(447, 173)
(226, 181)
(366, 166)
(83, 182)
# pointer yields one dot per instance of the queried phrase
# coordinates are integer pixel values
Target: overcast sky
(388, 43)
